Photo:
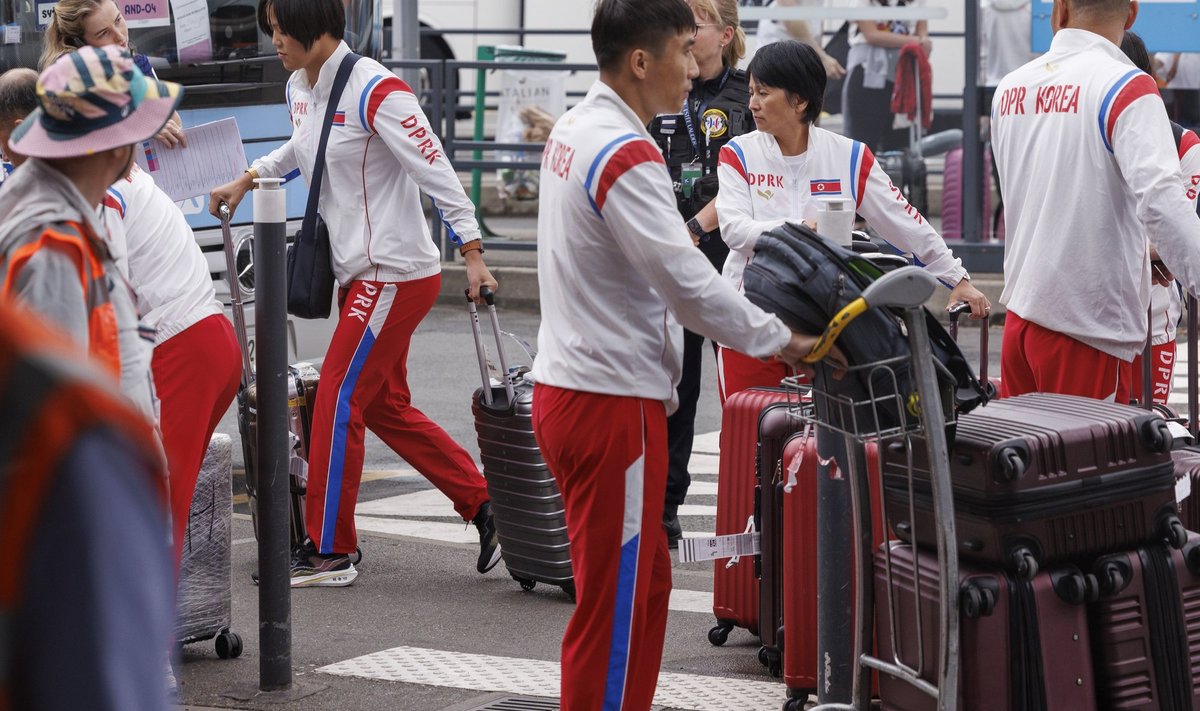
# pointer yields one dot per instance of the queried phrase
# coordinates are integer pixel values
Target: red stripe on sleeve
(628, 156)
(730, 158)
(864, 170)
(1189, 141)
(381, 92)
(1139, 86)
(114, 204)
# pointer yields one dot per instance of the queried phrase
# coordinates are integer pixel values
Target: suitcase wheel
(1174, 532)
(1113, 574)
(1157, 435)
(1191, 557)
(976, 601)
(1075, 587)
(1011, 463)
(229, 645)
(569, 589)
(794, 704)
(527, 584)
(719, 635)
(763, 659)
(1024, 562)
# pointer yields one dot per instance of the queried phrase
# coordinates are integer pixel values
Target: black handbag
(839, 49)
(310, 278)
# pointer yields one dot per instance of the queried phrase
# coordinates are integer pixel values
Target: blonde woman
(96, 23)
(691, 141)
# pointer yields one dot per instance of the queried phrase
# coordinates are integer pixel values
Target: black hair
(1134, 48)
(794, 67)
(304, 20)
(18, 94)
(620, 26)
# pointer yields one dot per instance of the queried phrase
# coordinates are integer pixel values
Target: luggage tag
(688, 176)
(1183, 489)
(734, 546)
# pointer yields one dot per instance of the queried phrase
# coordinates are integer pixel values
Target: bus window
(213, 47)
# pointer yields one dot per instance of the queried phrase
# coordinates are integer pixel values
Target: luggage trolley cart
(907, 288)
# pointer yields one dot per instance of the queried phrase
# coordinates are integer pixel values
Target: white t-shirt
(770, 31)
(1187, 75)
(1007, 28)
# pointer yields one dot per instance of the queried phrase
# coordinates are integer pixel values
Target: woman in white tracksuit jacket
(382, 154)
(776, 174)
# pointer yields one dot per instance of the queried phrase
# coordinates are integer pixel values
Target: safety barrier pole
(271, 356)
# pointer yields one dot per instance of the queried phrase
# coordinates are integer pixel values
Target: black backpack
(805, 280)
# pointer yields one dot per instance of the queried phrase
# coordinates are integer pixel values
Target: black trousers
(867, 115)
(681, 426)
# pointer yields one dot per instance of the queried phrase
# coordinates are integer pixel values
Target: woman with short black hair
(382, 154)
(780, 172)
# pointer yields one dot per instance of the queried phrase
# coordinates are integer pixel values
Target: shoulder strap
(1177, 131)
(314, 189)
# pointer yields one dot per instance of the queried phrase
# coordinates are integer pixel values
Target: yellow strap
(843, 318)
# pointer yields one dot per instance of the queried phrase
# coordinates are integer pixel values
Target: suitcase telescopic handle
(480, 353)
(489, 298)
(235, 293)
(958, 310)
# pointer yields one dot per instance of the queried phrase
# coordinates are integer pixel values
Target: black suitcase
(528, 508)
(303, 379)
(1146, 629)
(1041, 478)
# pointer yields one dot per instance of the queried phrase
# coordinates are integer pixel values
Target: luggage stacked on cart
(528, 508)
(1071, 557)
(204, 596)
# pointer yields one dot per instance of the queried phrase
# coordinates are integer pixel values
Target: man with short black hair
(18, 99)
(1089, 171)
(617, 269)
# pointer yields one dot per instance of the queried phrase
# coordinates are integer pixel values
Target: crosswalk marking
(535, 677)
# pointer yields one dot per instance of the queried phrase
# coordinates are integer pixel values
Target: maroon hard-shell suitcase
(1024, 645)
(776, 425)
(1146, 629)
(735, 581)
(1044, 478)
(1187, 464)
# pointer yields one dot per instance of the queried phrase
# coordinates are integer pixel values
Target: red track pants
(1161, 376)
(1034, 359)
(609, 457)
(364, 384)
(737, 372)
(196, 374)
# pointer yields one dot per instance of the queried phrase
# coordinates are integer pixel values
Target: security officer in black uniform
(691, 142)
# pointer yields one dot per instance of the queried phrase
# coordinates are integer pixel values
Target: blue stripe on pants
(337, 454)
(618, 656)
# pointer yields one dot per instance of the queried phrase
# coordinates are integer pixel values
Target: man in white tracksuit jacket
(1089, 171)
(618, 268)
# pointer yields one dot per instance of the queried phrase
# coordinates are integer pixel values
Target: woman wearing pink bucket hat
(94, 106)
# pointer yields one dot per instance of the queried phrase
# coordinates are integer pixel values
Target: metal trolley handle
(489, 298)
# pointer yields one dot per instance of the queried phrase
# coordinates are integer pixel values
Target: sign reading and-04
(143, 9)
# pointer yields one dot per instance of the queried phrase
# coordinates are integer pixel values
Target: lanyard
(693, 136)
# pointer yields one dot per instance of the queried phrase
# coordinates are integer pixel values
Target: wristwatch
(694, 227)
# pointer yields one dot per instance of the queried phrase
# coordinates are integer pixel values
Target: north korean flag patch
(825, 187)
(339, 118)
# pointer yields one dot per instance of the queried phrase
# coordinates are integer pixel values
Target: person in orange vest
(87, 595)
(95, 104)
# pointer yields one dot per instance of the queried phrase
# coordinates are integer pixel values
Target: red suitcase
(800, 468)
(1043, 478)
(1024, 645)
(1146, 629)
(735, 581)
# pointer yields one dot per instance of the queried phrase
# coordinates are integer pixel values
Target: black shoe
(672, 526)
(489, 543)
(312, 569)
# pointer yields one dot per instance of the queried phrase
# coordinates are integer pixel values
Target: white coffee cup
(835, 219)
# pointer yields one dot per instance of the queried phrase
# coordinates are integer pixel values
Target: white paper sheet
(214, 156)
(192, 32)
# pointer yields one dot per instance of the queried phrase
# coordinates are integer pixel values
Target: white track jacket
(381, 151)
(1165, 302)
(756, 195)
(1089, 171)
(617, 266)
(155, 249)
